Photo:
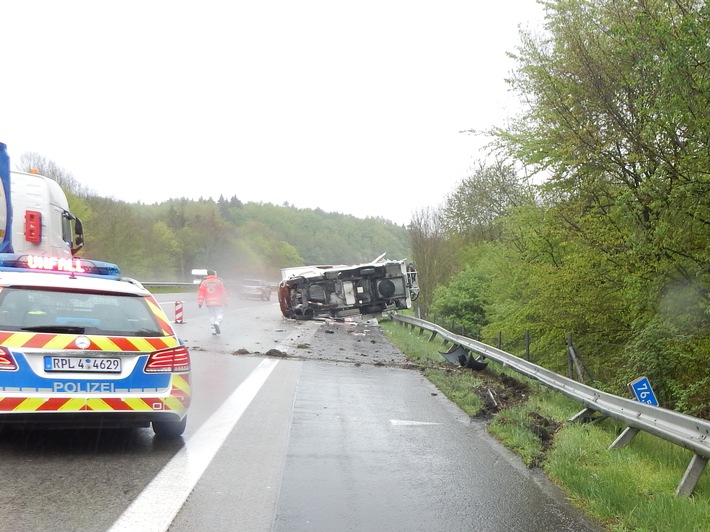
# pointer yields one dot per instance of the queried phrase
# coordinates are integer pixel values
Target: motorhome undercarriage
(342, 291)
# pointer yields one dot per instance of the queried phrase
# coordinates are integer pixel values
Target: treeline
(594, 222)
(165, 241)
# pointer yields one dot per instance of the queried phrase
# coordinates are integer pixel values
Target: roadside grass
(458, 386)
(629, 489)
(414, 344)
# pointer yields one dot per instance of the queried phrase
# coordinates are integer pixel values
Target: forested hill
(165, 241)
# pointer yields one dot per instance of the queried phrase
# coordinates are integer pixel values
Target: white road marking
(406, 423)
(158, 504)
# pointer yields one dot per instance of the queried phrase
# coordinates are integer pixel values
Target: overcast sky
(352, 107)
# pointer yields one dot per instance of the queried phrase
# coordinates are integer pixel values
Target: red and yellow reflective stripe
(179, 399)
(181, 385)
(97, 343)
(160, 315)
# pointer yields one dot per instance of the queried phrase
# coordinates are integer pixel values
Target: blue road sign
(641, 388)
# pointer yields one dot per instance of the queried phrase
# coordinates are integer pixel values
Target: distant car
(254, 289)
(85, 348)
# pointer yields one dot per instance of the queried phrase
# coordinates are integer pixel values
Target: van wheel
(169, 429)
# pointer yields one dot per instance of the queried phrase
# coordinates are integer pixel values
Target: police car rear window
(56, 311)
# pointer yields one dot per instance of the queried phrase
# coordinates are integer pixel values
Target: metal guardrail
(687, 431)
(176, 284)
(168, 283)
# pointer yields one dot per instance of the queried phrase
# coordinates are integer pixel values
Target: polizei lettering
(83, 387)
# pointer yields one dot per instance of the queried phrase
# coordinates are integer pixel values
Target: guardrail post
(588, 415)
(624, 438)
(575, 361)
(691, 476)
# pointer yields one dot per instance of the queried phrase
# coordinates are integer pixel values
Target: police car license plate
(95, 364)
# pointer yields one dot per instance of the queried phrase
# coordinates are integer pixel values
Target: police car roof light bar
(15, 262)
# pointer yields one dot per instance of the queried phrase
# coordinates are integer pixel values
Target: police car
(81, 346)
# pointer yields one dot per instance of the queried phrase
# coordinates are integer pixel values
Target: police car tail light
(7, 361)
(169, 360)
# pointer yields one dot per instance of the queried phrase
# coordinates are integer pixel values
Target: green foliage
(475, 207)
(458, 386)
(614, 247)
(331, 238)
(676, 364)
(164, 242)
(462, 300)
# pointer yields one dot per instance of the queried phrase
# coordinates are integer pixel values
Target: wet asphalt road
(339, 436)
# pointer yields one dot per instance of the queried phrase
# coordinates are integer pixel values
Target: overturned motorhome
(311, 292)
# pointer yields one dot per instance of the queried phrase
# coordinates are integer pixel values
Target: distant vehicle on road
(254, 289)
(198, 274)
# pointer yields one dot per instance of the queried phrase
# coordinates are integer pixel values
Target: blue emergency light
(73, 265)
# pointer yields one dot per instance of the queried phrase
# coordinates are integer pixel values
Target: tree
(463, 301)
(433, 252)
(617, 93)
(481, 198)
(34, 162)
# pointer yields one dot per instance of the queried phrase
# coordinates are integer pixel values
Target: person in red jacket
(213, 294)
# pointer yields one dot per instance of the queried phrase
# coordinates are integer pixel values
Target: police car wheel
(169, 429)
